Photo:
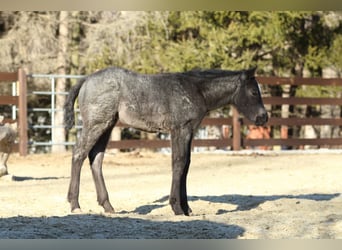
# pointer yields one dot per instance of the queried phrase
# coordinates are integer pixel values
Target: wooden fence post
(22, 121)
(236, 130)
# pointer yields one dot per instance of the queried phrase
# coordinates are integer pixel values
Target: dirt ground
(277, 196)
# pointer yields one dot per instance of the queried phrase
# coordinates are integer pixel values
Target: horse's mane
(211, 73)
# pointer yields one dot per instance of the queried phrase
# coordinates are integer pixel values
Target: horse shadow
(83, 226)
(242, 202)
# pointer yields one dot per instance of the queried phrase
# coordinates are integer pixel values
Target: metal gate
(43, 118)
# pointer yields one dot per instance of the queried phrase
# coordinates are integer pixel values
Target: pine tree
(58, 132)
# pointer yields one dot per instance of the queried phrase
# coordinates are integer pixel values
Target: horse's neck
(219, 92)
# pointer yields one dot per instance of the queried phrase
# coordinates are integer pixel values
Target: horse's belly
(150, 120)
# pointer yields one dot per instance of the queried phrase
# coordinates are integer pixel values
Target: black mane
(211, 73)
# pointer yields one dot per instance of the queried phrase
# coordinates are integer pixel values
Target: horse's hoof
(179, 211)
(109, 211)
(183, 213)
(108, 207)
(7, 177)
(3, 171)
(76, 211)
(189, 212)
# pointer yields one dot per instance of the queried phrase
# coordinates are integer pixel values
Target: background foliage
(279, 43)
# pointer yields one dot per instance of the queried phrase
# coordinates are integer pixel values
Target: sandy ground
(283, 196)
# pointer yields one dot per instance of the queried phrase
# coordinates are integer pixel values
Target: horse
(166, 102)
(8, 133)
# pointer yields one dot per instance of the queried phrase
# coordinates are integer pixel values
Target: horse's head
(248, 98)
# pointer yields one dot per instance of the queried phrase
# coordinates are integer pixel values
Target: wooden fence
(21, 102)
(296, 121)
(236, 141)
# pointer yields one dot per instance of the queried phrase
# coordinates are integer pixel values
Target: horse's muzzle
(261, 119)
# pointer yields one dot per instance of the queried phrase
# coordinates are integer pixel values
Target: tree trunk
(58, 132)
(74, 65)
(75, 28)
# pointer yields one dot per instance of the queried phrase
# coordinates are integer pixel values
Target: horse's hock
(7, 138)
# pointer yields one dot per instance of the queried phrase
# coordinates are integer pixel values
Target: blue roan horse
(172, 102)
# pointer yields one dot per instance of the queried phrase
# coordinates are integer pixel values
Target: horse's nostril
(261, 119)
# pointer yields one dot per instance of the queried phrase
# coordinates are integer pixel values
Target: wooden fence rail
(297, 121)
(236, 142)
(21, 102)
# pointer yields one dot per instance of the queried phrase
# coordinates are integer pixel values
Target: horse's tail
(69, 114)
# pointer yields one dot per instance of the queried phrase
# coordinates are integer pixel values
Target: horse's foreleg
(96, 156)
(181, 152)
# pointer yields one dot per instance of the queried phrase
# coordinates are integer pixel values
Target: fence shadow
(243, 202)
(89, 226)
(29, 178)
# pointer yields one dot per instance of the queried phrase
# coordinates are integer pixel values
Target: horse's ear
(247, 74)
(251, 71)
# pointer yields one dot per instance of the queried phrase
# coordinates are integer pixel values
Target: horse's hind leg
(96, 157)
(3, 167)
(78, 156)
(90, 135)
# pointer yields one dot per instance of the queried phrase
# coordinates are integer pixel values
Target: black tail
(69, 115)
